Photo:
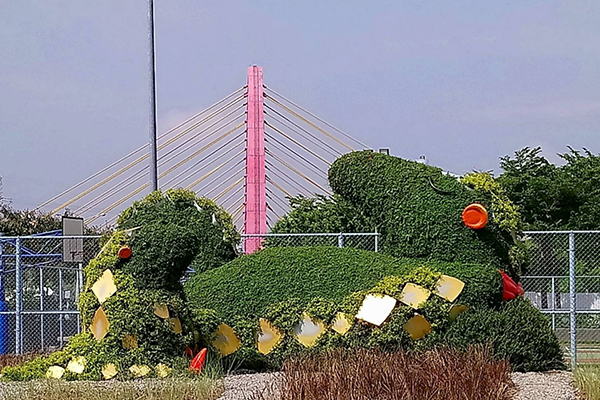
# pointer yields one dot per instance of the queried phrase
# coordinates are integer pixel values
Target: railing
(365, 241)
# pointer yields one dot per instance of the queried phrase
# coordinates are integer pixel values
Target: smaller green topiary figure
(132, 307)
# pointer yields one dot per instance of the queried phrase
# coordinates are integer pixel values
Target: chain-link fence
(40, 281)
(563, 281)
(363, 241)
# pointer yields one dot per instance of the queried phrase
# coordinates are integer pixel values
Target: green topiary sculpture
(132, 305)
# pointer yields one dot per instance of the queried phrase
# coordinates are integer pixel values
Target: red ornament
(198, 362)
(510, 289)
(125, 253)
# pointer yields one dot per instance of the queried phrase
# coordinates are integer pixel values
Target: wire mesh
(40, 281)
(565, 269)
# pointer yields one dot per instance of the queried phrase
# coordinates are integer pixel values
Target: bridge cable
(280, 115)
(114, 175)
(323, 131)
(125, 198)
(207, 194)
(224, 192)
(197, 181)
(107, 194)
(278, 187)
(134, 152)
(298, 144)
(316, 117)
(267, 151)
(300, 188)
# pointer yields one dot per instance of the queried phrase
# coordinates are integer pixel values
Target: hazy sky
(463, 82)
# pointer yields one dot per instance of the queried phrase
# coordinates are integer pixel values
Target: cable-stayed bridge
(249, 152)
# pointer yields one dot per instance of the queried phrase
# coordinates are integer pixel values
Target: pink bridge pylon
(255, 221)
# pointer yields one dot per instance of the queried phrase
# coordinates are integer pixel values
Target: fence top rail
(555, 232)
(260, 235)
(2, 238)
(557, 276)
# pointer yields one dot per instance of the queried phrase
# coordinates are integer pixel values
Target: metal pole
(79, 284)
(553, 306)
(573, 301)
(376, 241)
(60, 307)
(152, 97)
(341, 240)
(19, 302)
(42, 308)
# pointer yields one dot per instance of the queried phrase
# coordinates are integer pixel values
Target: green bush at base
(251, 283)
(517, 332)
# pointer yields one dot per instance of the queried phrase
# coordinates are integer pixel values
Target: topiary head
(419, 209)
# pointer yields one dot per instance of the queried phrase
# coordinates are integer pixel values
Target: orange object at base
(197, 362)
(125, 253)
(475, 216)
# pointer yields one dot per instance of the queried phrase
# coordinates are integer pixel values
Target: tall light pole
(152, 97)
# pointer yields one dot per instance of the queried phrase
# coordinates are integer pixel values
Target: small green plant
(587, 379)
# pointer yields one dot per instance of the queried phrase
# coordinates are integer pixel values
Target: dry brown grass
(10, 360)
(372, 374)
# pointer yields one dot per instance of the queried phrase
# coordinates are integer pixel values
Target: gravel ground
(544, 385)
(531, 386)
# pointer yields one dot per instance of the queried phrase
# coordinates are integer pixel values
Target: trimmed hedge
(517, 332)
(211, 226)
(250, 284)
(417, 209)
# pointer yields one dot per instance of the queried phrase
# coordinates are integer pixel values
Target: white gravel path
(531, 386)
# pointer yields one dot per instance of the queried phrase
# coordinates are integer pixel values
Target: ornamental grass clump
(368, 374)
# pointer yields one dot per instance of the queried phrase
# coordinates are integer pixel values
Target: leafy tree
(550, 196)
(26, 222)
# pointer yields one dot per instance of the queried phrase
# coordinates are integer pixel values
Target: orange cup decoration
(475, 216)
(125, 253)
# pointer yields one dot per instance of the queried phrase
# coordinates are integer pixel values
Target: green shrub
(211, 226)
(163, 245)
(251, 283)
(517, 332)
(417, 209)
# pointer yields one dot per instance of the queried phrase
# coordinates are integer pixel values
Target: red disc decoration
(510, 289)
(198, 362)
(125, 253)
(475, 216)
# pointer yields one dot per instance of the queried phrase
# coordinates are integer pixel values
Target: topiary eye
(125, 253)
(475, 216)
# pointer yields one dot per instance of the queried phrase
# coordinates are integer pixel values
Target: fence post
(553, 305)
(376, 241)
(19, 298)
(341, 240)
(573, 301)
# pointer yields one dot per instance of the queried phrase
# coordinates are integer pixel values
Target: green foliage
(554, 197)
(322, 215)
(517, 332)
(28, 222)
(417, 209)
(165, 234)
(250, 284)
(211, 227)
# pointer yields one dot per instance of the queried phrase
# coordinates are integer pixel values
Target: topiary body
(166, 235)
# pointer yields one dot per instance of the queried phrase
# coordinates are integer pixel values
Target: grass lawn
(152, 389)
